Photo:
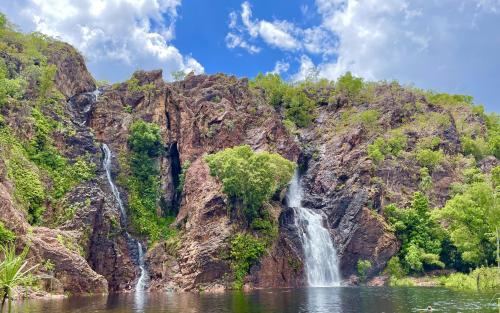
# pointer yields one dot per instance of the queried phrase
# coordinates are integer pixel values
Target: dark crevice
(167, 115)
(175, 165)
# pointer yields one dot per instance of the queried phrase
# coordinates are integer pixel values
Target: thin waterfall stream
(321, 261)
(141, 282)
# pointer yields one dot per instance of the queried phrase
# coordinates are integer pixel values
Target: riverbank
(482, 278)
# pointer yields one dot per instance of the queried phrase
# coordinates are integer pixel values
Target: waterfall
(141, 282)
(321, 262)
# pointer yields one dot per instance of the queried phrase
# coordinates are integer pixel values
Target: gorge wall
(80, 233)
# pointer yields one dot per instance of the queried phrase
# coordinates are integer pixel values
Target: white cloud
(280, 34)
(307, 69)
(234, 40)
(280, 67)
(116, 37)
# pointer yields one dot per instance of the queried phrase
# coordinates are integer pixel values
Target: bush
(368, 119)
(374, 151)
(252, 177)
(425, 179)
(479, 279)
(350, 86)
(381, 148)
(182, 176)
(296, 104)
(394, 268)
(428, 143)
(9, 88)
(476, 147)
(273, 86)
(244, 251)
(363, 266)
(6, 235)
(429, 158)
(420, 235)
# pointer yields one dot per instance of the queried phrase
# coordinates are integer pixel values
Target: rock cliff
(80, 230)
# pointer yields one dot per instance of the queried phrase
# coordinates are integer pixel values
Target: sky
(444, 45)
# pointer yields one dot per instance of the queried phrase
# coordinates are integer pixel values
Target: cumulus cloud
(280, 34)
(280, 67)
(233, 40)
(116, 37)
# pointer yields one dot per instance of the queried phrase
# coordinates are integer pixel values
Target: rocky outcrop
(202, 114)
(71, 271)
(72, 77)
(343, 182)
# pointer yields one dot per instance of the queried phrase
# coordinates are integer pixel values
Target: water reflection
(310, 300)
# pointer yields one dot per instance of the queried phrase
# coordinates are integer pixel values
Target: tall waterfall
(141, 282)
(321, 262)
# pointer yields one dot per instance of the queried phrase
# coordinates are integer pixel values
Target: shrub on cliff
(252, 177)
(429, 158)
(349, 85)
(245, 250)
(144, 183)
(297, 106)
(6, 235)
(419, 234)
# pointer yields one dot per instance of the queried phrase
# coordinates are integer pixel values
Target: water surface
(314, 300)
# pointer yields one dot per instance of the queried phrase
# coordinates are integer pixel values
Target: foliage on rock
(252, 177)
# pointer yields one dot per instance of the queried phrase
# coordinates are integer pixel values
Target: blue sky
(446, 45)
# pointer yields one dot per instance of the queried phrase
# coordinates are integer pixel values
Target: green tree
(419, 234)
(298, 107)
(473, 216)
(252, 177)
(296, 104)
(145, 138)
(273, 86)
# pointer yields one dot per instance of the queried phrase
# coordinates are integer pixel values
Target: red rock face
(72, 272)
(72, 77)
(200, 115)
